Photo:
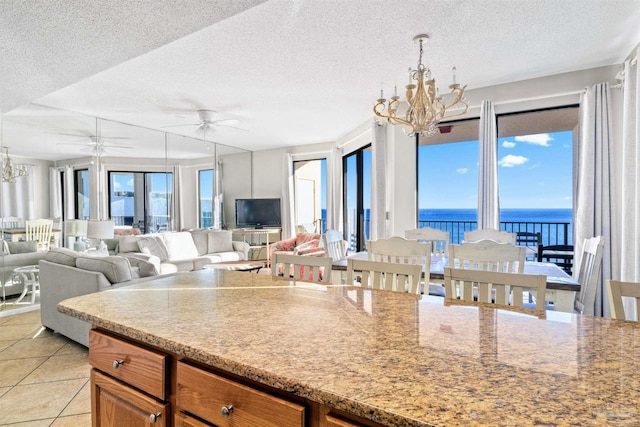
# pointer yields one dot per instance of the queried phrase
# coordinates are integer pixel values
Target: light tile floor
(44, 377)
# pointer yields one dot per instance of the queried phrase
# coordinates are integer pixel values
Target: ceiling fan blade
(176, 126)
(232, 127)
(225, 122)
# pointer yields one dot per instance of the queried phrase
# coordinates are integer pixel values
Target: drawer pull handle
(154, 417)
(226, 410)
(116, 363)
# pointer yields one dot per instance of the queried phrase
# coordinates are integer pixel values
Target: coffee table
(237, 265)
(29, 275)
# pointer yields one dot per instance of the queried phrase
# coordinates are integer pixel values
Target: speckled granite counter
(389, 357)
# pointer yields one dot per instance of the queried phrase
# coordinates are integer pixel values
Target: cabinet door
(337, 422)
(115, 404)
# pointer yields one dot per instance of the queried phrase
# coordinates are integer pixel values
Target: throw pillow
(115, 268)
(153, 245)
(63, 256)
(220, 241)
(22, 247)
(180, 245)
(201, 240)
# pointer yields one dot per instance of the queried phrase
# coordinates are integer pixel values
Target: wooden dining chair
(487, 255)
(387, 276)
(587, 275)
(490, 234)
(40, 231)
(618, 289)
(494, 287)
(402, 251)
(439, 239)
(300, 267)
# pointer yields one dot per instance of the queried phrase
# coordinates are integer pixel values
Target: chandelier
(425, 107)
(11, 171)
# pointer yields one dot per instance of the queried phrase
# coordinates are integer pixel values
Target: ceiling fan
(209, 121)
(95, 144)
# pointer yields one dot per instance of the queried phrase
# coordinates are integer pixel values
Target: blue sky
(534, 172)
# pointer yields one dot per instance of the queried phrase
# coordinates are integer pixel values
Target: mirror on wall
(82, 167)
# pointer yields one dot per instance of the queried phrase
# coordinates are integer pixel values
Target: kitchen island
(346, 356)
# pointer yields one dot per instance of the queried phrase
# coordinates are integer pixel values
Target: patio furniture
(493, 287)
(490, 234)
(587, 275)
(617, 289)
(532, 241)
(387, 276)
(561, 255)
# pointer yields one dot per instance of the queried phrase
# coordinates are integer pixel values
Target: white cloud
(541, 139)
(130, 183)
(537, 165)
(462, 171)
(510, 161)
(508, 144)
(116, 185)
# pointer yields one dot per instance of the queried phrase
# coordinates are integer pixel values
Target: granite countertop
(395, 358)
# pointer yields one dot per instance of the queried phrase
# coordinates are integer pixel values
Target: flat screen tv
(258, 213)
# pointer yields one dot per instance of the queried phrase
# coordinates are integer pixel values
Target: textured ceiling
(292, 71)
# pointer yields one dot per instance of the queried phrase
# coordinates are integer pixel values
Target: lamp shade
(75, 227)
(100, 229)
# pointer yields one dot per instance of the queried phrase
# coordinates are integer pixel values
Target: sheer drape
(218, 208)
(334, 189)
(288, 199)
(488, 201)
(17, 197)
(378, 181)
(176, 199)
(55, 196)
(593, 186)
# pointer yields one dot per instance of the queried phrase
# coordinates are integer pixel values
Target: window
(535, 172)
(81, 187)
(357, 198)
(310, 194)
(205, 198)
(141, 199)
(448, 178)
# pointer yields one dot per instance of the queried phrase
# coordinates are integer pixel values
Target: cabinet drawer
(138, 366)
(116, 404)
(204, 395)
(184, 420)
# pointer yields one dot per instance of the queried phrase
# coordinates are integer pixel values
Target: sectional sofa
(132, 259)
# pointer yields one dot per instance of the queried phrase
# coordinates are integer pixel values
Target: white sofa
(173, 252)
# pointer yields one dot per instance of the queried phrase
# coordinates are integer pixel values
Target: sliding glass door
(357, 198)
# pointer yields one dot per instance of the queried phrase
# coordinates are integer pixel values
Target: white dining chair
(439, 239)
(387, 276)
(490, 234)
(494, 287)
(334, 245)
(40, 231)
(402, 251)
(587, 274)
(300, 267)
(617, 289)
(487, 255)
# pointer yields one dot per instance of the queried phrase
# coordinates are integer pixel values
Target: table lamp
(97, 229)
(77, 228)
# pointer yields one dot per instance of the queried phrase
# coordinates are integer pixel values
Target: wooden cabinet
(113, 403)
(227, 403)
(128, 383)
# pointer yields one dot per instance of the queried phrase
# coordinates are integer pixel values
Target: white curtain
(218, 208)
(70, 199)
(378, 229)
(55, 193)
(594, 183)
(288, 199)
(488, 201)
(334, 189)
(176, 200)
(17, 197)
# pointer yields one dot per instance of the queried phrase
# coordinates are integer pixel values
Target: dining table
(561, 287)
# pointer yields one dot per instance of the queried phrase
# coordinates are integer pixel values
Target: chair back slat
(618, 289)
(303, 268)
(487, 255)
(439, 239)
(40, 231)
(384, 275)
(587, 274)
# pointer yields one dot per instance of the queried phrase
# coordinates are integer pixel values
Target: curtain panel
(488, 200)
(593, 190)
(378, 181)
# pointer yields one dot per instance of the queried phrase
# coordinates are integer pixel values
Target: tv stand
(259, 232)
